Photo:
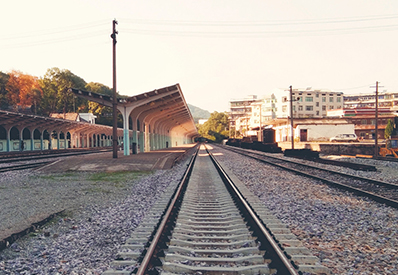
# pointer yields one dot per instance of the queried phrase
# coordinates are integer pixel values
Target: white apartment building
(308, 103)
(249, 113)
(263, 111)
(240, 114)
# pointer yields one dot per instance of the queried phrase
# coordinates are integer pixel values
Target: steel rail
(152, 248)
(52, 155)
(244, 152)
(375, 197)
(22, 166)
(284, 264)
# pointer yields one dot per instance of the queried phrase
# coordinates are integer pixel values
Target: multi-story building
(249, 113)
(239, 115)
(308, 103)
(389, 100)
(263, 110)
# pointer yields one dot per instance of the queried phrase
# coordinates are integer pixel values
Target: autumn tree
(23, 89)
(216, 128)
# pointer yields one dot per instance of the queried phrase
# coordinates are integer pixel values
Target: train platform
(104, 162)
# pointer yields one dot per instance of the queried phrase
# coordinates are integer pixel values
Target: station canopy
(168, 101)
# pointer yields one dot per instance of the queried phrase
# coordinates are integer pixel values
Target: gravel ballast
(350, 234)
(99, 216)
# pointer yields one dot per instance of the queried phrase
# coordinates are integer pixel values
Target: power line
(64, 30)
(261, 23)
(272, 33)
(55, 40)
(354, 88)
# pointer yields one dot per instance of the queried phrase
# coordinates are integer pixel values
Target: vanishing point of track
(212, 225)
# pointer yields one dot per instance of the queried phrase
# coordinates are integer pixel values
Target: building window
(300, 107)
(317, 113)
(308, 98)
(323, 99)
(309, 108)
(317, 104)
(364, 122)
(324, 108)
(331, 107)
(330, 99)
(338, 99)
(284, 99)
(284, 108)
(373, 121)
(317, 95)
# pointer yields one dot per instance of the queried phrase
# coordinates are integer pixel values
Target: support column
(58, 140)
(32, 140)
(41, 140)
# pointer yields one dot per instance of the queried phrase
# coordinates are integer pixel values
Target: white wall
(317, 132)
(325, 132)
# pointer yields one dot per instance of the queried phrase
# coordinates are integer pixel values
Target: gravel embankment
(350, 234)
(100, 214)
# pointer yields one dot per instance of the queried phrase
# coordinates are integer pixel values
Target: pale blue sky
(217, 50)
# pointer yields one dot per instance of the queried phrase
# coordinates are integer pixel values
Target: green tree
(389, 129)
(216, 128)
(4, 102)
(56, 97)
(103, 113)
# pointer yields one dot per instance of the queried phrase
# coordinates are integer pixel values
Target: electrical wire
(83, 31)
(260, 23)
(64, 30)
(272, 33)
(353, 88)
(54, 40)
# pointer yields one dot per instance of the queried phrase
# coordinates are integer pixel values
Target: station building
(160, 119)
(21, 132)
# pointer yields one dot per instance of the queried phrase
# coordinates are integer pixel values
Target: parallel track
(23, 166)
(380, 191)
(36, 156)
(212, 227)
(33, 155)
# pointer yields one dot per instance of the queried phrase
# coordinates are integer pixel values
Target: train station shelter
(160, 118)
(22, 132)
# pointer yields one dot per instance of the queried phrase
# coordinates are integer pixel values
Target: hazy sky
(217, 50)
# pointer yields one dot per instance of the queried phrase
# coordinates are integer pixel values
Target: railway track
(23, 166)
(212, 225)
(379, 191)
(32, 155)
(26, 163)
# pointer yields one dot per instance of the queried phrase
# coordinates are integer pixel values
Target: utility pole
(115, 145)
(376, 152)
(376, 122)
(291, 117)
(261, 128)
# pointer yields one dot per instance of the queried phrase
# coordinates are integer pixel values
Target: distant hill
(198, 113)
